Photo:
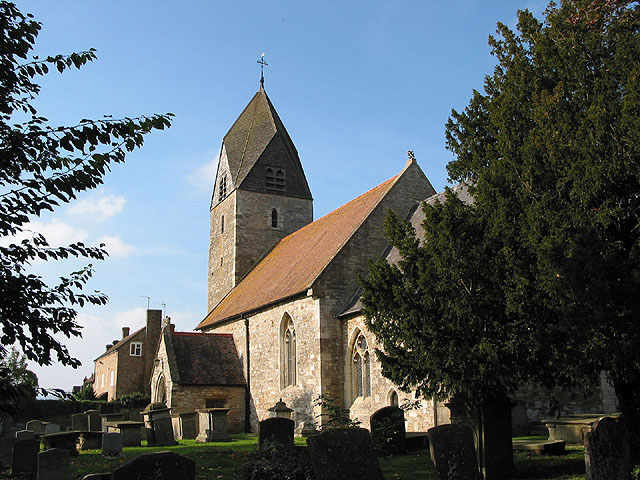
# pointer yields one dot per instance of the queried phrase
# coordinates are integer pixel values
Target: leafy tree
(41, 167)
(17, 382)
(85, 393)
(551, 151)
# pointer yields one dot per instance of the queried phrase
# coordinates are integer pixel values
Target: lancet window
(361, 370)
(288, 352)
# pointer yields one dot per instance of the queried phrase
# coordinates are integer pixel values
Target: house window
(135, 349)
(222, 187)
(215, 402)
(288, 352)
(361, 367)
(274, 218)
(112, 378)
(274, 180)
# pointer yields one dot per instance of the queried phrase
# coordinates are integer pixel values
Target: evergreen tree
(551, 150)
(41, 167)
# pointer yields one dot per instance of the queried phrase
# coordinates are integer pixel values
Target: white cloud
(56, 232)
(203, 176)
(135, 318)
(98, 206)
(115, 246)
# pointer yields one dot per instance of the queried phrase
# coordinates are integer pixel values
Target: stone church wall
(418, 419)
(266, 369)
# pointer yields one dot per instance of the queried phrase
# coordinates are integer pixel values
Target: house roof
(297, 260)
(206, 359)
(121, 343)
(415, 217)
(258, 127)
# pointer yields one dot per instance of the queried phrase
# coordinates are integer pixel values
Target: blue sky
(357, 84)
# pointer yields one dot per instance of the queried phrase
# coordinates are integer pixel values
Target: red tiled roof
(298, 259)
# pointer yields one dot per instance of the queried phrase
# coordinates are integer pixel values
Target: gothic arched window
(222, 187)
(274, 180)
(361, 373)
(274, 218)
(288, 352)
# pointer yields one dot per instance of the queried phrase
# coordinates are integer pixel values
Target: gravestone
(188, 423)
(276, 431)
(157, 466)
(6, 446)
(53, 464)
(453, 452)
(157, 422)
(25, 435)
(388, 431)
(94, 420)
(35, 426)
(66, 440)
(80, 422)
(89, 441)
(130, 430)
(24, 456)
(51, 428)
(212, 425)
(111, 444)
(343, 454)
(106, 418)
(606, 451)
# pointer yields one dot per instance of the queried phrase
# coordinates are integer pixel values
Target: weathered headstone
(188, 423)
(212, 425)
(157, 466)
(24, 456)
(157, 422)
(388, 430)
(89, 441)
(53, 464)
(110, 418)
(66, 440)
(606, 451)
(111, 444)
(25, 435)
(35, 426)
(6, 446)
(80, 422)
(276, 431)
(453, 452)
(94, 420)
(343, 454)
(130, 430)
(51, 428)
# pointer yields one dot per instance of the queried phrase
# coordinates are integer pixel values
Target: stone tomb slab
(94, 420)
(212, 425)
(65, 440)
(53, 464)
(24, 457)
(157, 466)
(111, 444)
(344, 454)
(606, 451)
(540, 447)
(36, 426)
(453, 452)
(388, 431)
(130, 430)
(188, 425)
(276, 431)
(89, 441)
(80, 422)
(25, 435)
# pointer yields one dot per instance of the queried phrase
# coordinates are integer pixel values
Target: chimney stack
(125, 332)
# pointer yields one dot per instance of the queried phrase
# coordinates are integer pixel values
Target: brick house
(125, 367)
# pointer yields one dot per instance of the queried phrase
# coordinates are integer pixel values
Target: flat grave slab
(541, 447)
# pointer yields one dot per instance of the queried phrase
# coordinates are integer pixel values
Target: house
(125, 366)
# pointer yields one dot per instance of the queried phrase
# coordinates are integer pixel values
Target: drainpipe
(247, 393)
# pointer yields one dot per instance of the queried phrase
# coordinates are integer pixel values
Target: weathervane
(262, 63)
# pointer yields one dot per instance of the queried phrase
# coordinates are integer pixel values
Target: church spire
(262, 63)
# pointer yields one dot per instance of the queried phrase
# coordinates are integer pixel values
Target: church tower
(260, 195)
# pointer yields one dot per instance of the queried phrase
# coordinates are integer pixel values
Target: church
(284, 319)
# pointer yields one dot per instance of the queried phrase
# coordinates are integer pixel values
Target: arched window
(361, 373)
(274, 180)
(288, 352)
(222, 187)
(274, 218)
(394, 401)
(160, 395)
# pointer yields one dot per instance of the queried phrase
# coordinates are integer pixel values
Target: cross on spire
(262, 63)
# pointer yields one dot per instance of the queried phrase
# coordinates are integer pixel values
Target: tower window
(275, 180)
(274, 218)
(222, 224)
(222, 187)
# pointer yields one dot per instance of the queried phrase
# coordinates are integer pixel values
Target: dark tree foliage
(41, 167)
(551, 150)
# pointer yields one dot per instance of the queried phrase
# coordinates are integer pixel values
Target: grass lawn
(220, 460)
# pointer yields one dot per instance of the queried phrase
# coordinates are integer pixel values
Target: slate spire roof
(257, 135)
